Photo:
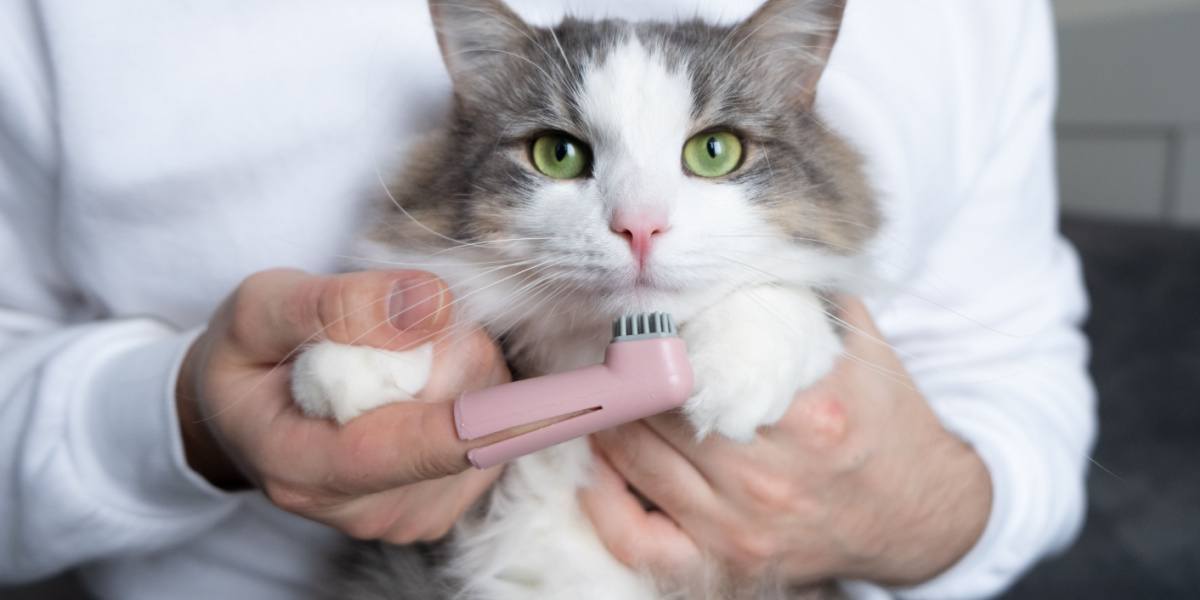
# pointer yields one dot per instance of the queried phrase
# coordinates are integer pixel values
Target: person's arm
(90, 459)
(114, 430)
(991, 330)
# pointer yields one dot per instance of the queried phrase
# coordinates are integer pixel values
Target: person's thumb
(276, 312)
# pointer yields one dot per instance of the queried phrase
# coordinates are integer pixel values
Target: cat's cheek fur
(343, 381)
(751, 353)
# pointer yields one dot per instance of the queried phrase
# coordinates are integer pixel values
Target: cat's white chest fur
(751, 352)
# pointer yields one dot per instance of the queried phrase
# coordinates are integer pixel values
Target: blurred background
(1129, 172)
(1129, 116)
(1129, 162)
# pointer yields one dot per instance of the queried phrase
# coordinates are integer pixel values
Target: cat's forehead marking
(634, 104)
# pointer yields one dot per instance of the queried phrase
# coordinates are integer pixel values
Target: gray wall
(1129, 117)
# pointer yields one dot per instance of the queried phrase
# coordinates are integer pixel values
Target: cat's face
(638, 166)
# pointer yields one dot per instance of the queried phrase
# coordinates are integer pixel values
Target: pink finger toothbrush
(645, 372)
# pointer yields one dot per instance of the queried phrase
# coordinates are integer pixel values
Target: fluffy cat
(592, 170)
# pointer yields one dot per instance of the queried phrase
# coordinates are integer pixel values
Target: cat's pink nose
(639, 229)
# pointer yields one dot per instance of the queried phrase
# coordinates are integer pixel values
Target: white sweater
(152, 154)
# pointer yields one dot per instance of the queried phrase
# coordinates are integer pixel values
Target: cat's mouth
(650, 292)
(643, 280)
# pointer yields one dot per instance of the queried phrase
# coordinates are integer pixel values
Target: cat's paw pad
(342, 381)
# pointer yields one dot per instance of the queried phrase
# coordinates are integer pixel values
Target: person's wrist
(201, 449)
(940, 521)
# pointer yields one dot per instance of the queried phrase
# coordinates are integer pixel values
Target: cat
(591, 170)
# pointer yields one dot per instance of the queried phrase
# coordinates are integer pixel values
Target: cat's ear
(790, 42)
(477, 38)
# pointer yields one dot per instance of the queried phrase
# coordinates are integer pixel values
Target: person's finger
(676, 431)
(724, 463)
(634, 536)
(391, 446)
(276, 312)
(657, 470)
(431, 508)
(710, 456)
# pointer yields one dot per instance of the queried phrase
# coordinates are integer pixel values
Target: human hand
(397, 473)
(858, 481)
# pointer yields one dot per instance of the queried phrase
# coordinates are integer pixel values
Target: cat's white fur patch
(755, 331)
(536, 543)
(639, 110)
(343, 381)
(751, 353)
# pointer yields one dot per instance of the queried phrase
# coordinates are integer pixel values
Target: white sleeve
(991, 332)
(91, 460)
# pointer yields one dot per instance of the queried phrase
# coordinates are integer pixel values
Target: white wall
(1129, 117)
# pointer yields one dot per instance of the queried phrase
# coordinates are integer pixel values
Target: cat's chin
(682, 302)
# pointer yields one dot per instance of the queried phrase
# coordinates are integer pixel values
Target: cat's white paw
(342, 381)
(751, 353)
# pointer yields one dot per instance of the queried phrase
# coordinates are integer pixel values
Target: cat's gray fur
(757, 78)
(460, 184)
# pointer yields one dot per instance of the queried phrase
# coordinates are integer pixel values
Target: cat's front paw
(342, 381)
(751, 354)
(730, 403)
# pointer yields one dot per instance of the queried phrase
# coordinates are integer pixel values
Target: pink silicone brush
(645, 372)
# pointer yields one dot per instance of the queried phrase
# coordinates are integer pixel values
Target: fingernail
(416, 303)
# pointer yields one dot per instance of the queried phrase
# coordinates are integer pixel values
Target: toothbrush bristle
(643, 325)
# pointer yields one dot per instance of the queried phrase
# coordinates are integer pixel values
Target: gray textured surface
(1142, 538)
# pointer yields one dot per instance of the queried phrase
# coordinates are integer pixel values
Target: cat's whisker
(505, 53)
(794, 238)
(529, 298)
(447, 338)
(562, 52)
(999, 377)
(855, 329)
(819, 219)
(387, 190)
(482, 243)
(456, 263)
(770, 167)
(898, 378)
(893, 287)
(864, 334)
(480, 290)
(768, 277)
(515, 300)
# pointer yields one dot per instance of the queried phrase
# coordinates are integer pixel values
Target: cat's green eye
(713, 154)
(560, 156)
